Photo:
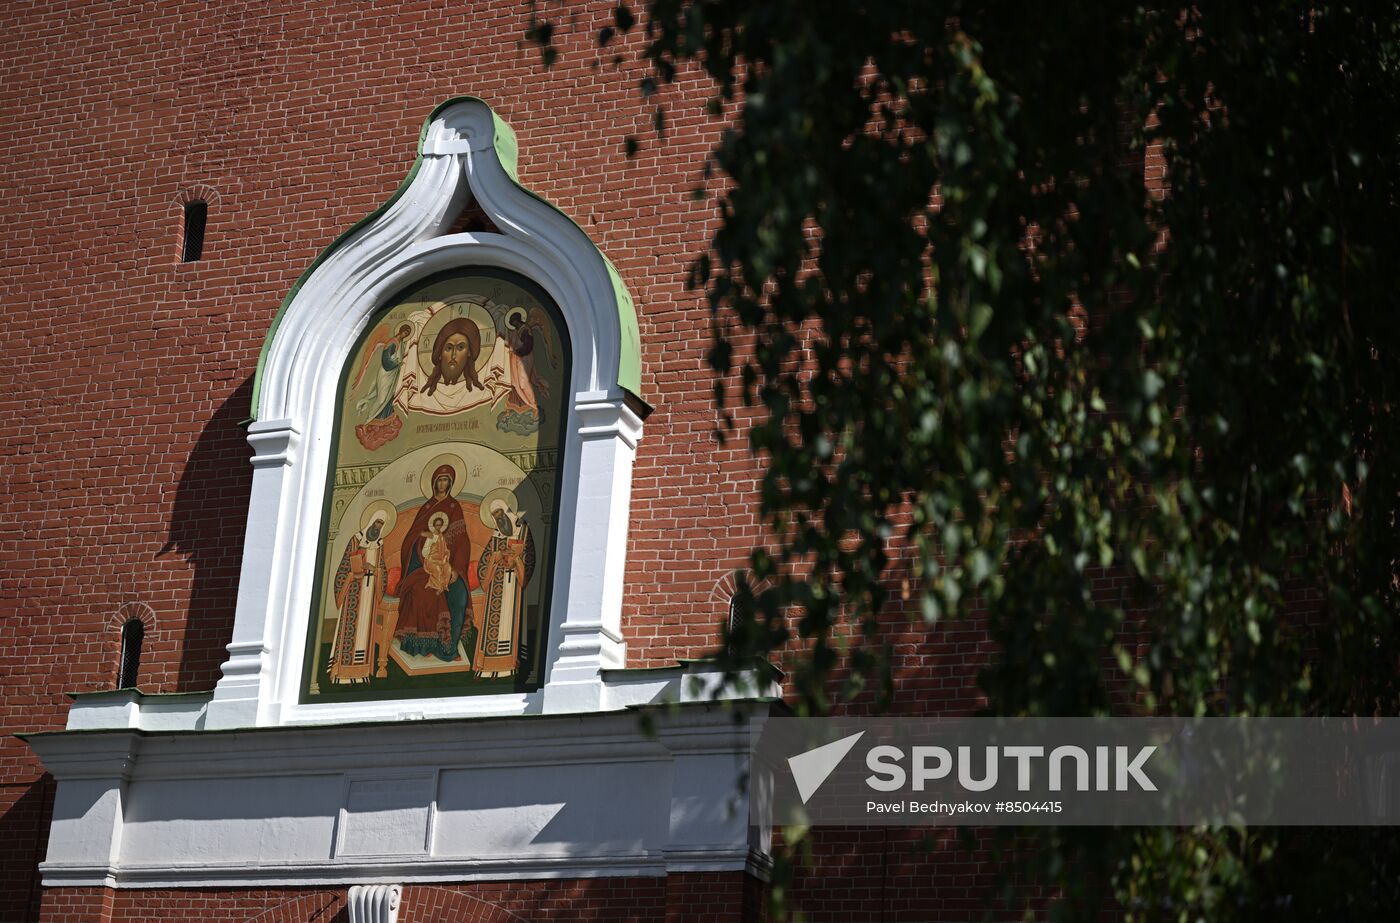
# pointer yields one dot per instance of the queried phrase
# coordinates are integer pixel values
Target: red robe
(423, 610)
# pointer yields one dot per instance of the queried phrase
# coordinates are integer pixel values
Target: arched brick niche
(466, 162)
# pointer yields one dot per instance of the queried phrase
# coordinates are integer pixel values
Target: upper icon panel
(438, 545)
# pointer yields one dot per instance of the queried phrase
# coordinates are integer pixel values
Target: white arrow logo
(810, 769)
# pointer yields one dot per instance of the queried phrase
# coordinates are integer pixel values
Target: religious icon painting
(438, 540)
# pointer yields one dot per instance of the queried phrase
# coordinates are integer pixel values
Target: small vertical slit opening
(196, 216)
(133, 633)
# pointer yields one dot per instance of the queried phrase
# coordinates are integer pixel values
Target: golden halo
(433, 519)
(445, 311)
(375, 508)
(500, 493)
(459, 474)
(516, 312)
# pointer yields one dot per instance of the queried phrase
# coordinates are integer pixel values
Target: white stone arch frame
(465, 153)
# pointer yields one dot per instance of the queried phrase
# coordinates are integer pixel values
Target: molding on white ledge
(546, 796)
(604, 691)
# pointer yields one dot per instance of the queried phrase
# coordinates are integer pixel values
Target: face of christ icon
(454, 383)
(455, 350)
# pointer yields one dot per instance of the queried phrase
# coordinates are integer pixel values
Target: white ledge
(527, 797)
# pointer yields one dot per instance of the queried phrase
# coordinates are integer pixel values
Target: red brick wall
(682, 898)
(126, 477)
(122, 437)
(126, 480)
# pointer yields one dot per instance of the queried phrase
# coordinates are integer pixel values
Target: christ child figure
(435, 554)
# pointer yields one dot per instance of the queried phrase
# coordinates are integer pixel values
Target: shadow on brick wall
(24, 828)
(207, 526)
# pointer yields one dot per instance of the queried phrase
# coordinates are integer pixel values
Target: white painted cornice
(564, 796)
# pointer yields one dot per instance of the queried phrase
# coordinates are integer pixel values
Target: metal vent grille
(133, 633)
(196, 215)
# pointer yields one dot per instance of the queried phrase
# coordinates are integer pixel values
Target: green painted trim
(321, 258)
(134, 692)
(731, 705)
(758, 664)
(629, 360)
(629, 373)
(640, 671)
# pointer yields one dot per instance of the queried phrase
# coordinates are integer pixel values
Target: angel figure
(385, 356)
(526, 385)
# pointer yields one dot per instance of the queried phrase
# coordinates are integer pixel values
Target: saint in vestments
(506, 566)
(359, 590)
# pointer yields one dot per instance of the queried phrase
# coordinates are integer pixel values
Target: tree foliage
(1046, 290)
